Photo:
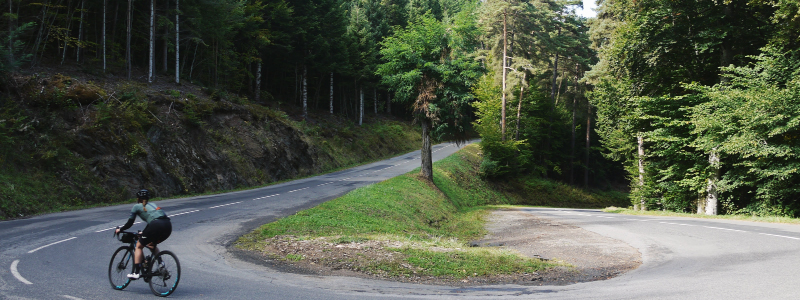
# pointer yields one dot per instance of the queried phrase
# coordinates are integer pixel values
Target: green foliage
(430, 69)
(752, 121)
(11, 48)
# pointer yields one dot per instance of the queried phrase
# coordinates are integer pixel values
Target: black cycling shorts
(156, 232)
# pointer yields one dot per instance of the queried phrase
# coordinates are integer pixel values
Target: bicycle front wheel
(120, 266)
(166, 273)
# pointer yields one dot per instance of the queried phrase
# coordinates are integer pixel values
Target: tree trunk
(151, 61)
(178, 44)
(361, 107)
(519, 104)
(572, 148)
(165, 50)
(588, 144)
(40, 32)
(258, 82)
(426, 155)
(66, 37)
(505, 60)
(331, 96)
(574, 110)
(375, 100)
(10, 36)
(128, 41)
(555, 74)
(640, 149)
(712, 199)
(305, 91)
(105, 3)
(80, 34)
(388, 103)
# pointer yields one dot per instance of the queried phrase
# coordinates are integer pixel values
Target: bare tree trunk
(388, 103)
(10, 35)
(426, 155)
(640, 150)
(712, 199)
(331, 96)
(555, 76)
(66, 36)
(361, 107)
(588, 148)
(151, 61)
(305, 91)
(194, 58)
(40, 32)
(519, 104)
(80, 34)
(505, 61)
(178, 44)
(258, 82)
(572, 148)
(105, 3)
(128, 40)
(165, 50)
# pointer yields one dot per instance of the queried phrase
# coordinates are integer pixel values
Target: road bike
(162, 270)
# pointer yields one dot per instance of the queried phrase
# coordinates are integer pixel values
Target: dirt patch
(593, 256)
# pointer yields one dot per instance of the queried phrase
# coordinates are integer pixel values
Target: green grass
(772, 219)
(434, 223)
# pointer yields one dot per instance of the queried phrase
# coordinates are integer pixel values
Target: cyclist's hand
(116, 231)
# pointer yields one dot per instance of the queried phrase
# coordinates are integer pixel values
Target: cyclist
(157, 230)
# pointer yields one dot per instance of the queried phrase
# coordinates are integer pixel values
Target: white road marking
(226, 204)
(782, 236)
(720, 228)
(70, 297)
(675, 224)
(107, 229)
(183, 213)
(299, 190)
(327, 183)
(259, 198)
(16, 273)
(48, 245)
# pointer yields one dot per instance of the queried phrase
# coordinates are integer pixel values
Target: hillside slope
(68, 142)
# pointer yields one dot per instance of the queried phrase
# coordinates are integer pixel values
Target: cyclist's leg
(138, 253)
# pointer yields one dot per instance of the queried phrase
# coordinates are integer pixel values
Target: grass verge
(403, 227)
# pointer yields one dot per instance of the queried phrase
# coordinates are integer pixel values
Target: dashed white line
(48, 245)
(675, 224)
(226, 204)
(16, 273)
(782, 236)
(183, 213)
(720, 228)
(299, 190)
(327, 183)
(70, 297)
(273, 195)
(107, 229)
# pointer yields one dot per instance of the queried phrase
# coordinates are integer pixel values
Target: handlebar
(119, 236)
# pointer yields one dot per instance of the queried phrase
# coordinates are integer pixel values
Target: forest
(693, 104)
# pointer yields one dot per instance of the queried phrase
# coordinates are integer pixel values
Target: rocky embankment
(71, 142)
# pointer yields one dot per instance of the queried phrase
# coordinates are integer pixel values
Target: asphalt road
(65, 255)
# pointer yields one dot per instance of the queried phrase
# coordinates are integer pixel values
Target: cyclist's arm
(130, 222)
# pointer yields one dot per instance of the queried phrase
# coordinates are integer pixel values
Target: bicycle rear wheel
(166, 273)
(120, 266)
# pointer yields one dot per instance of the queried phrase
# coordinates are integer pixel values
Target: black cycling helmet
(143, 194)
